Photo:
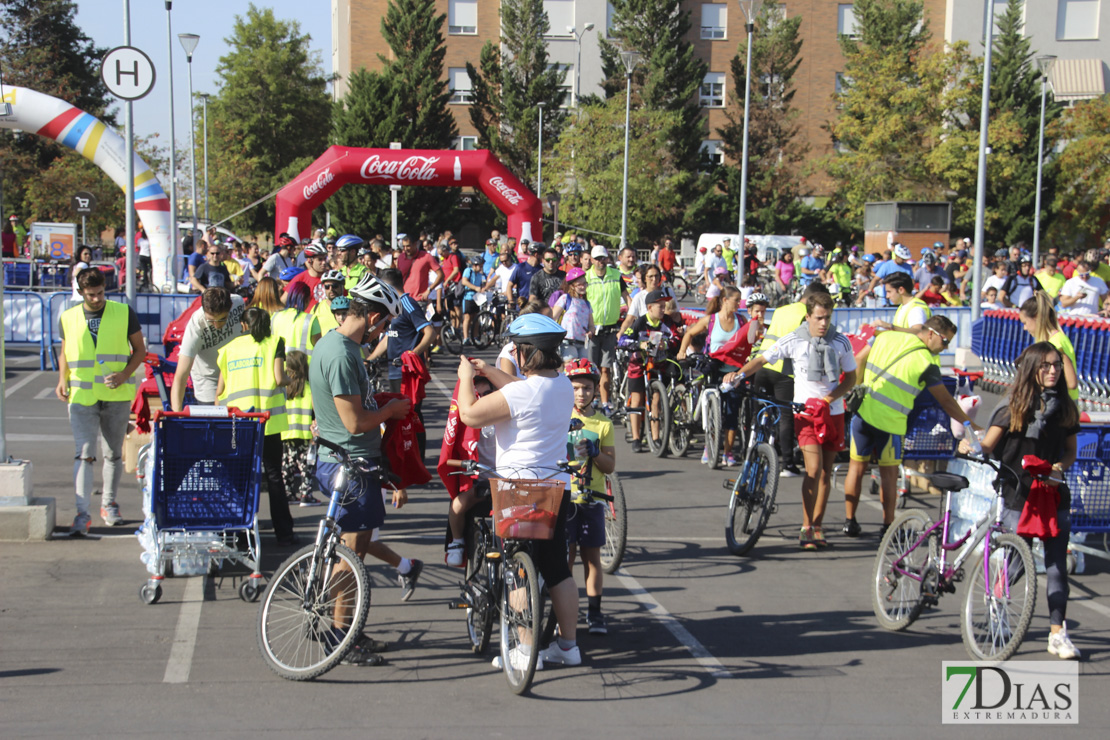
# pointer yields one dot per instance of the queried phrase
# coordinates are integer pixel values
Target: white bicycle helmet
(755, 298)
(333, 276)
(902, 252)
(372, 290)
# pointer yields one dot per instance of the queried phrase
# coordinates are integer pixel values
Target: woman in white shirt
(81, 260)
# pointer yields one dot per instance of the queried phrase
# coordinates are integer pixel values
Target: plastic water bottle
(310, 456)
(972, 439)
(726, 387)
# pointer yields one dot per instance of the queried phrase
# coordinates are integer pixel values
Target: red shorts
(806, 432)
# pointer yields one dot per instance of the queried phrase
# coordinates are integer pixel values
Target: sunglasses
(944, 341)
(550, 259)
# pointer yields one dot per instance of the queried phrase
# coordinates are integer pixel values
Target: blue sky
(212, 20)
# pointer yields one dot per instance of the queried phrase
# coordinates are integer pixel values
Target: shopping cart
(200, 495)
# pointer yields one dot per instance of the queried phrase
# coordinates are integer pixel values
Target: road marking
(44, 394)
(40, 437)
(21, 382)
(447, 392)
(673, 626)
(185, 637)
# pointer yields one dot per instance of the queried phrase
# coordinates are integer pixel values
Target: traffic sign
(128, 72)
(84, 203)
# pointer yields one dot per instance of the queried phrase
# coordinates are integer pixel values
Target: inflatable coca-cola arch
(444, 168)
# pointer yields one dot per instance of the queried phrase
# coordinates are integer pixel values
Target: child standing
(593, 445)
(574, 313)
(296, 440)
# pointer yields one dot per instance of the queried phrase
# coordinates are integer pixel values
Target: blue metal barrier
(25, 317)
(849, 321)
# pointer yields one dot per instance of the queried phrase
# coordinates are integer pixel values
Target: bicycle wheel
(661, 413)
(451, 338)
(478, 591)
(713, 429)
(896, 597)
(483, 330)
(699, 296)
(521, 621)
(682, 414)
(297, 631)
(1001, 594)
(680, 287)
(616, 525)
(752, 500)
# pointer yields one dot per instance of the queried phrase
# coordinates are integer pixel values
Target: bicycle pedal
(957, 577)
(493, 556)
(458, 605)
(948, 587)
(728, 483)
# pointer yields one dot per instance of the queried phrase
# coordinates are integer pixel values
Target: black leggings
(550, 555)
(782, 388)
(1055, 562)
(279, 504)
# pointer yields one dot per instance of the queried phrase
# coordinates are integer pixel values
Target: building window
(772, 88)
(846, 20)
(609, 20)
(712, 92)
(566, 85)
(713, 152)
(1077, 20)
(714, 20)
(560, 16)
(462, 17)
(776, 13)
(842, 83)
(466, 143)
(459, 82)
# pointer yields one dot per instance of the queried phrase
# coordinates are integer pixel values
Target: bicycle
(752, 498)
(316, 604)
(677, 280)
(912, 572)
(685, 396)
(656, 410)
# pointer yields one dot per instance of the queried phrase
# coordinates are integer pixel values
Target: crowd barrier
(999, 339)
(26, 316)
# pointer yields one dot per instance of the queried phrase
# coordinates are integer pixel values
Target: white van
(766, 245)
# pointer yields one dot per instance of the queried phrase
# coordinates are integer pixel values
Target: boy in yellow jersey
(593, 445)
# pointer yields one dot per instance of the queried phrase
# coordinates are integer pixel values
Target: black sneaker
(596, 624)
(360, 655)
(408, 580)
(852, 528)
(882, 531)
(637, 446)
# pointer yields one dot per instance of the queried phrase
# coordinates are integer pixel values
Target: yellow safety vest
(249, 382)
(901, 316)
(89, 363)
(323, 314)
(352, 274)
(783, 321)
(296, 328)
(894, 382)
(299, 414)
(1063, 344)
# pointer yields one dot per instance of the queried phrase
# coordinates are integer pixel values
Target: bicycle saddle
(947, 481)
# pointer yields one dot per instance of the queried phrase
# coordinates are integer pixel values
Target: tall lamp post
(539, 154)
(750, 8)
(573, 30)
(189, 43)
(204, 97)
(630, 60)
(175, 240)
(1044, 63)
(981, 184)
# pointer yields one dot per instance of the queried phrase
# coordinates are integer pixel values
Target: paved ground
(702, 644)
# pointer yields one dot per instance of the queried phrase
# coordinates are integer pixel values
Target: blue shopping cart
(200, 495)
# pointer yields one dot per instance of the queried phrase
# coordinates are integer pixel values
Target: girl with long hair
(1039, 319)
(296, 440)
(267, 296)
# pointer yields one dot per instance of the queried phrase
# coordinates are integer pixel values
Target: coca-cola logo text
(509, 194)
(416, 168)
(321, 180)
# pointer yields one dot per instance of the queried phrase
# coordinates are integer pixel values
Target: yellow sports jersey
(598, 428)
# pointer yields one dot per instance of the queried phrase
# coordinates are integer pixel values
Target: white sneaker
(1059, 644)
(788, 473)
(518, 659)
(455, 555)
(555, 654)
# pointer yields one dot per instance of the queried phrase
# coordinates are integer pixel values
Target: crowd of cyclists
(582, 331)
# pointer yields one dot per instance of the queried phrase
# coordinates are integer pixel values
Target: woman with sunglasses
(1040, 418)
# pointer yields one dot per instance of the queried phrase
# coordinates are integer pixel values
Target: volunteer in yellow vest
(299, 328)
(296, 440)
(333, 282)
(252, 377)
(1039, 319)
(102, 346)
(912, 312)
(777, 379)
(898, 366)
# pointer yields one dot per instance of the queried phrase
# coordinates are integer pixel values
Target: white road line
(40, 437)
(44, 394)
(185, 636)
(673, 626)
(21, 382)
(447, 392)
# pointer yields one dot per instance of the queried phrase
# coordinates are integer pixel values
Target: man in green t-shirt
(604, 290)
(1050, 279)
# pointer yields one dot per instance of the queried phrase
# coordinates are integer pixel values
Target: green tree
(1082, 202)
(774, 153)
(44, 49)
(405, 102)
(272, 110)
(511, 80)
(887, 109)
(591, 153)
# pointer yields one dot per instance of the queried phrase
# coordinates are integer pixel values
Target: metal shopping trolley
(200, 495)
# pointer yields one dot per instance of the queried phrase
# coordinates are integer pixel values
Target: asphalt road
(701, 643)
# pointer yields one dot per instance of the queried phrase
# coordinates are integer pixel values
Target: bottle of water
(726, 387)
(972, 440)
(310, 456)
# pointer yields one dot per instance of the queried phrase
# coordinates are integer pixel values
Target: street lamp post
(750, 8)
(539, 155)
(630, 59)
(573, 30)
(204, 97)
(981, 185)
(189, 43)
(1044, 63)
(175, 240)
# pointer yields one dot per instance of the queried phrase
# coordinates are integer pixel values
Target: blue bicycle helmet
(349, 241)
(290, 272)
(573, 248)
(542, 332)
(341, 303)
(872, 258)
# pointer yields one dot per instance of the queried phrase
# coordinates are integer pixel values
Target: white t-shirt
(203, 342)
(275, 263)
(73, 271)
(507, 354)
(916, 315)
(1094, 287)
(536, 433)
(638, 307)
(384, 262)
(699, 264)
(144, 247)
(991, 306)
(504, 274)
(994, 282)
(796, 348)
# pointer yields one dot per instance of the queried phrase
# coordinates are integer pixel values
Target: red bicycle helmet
(582, 368)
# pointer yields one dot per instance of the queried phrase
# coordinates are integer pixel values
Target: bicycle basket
(525, 509)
